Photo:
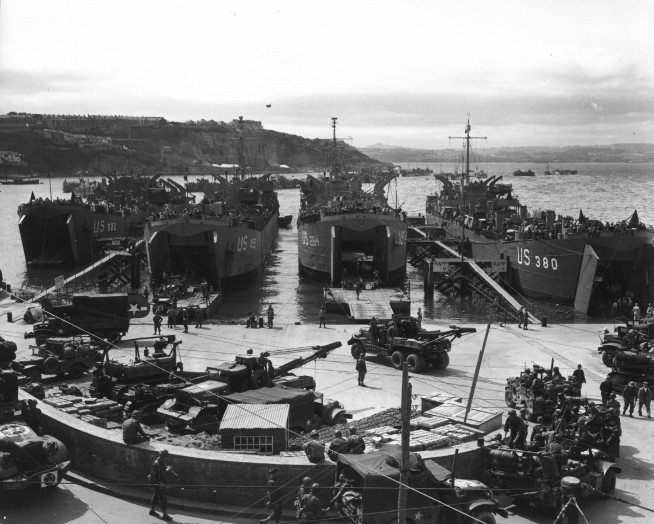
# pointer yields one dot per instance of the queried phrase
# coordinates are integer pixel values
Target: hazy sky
(403, 73)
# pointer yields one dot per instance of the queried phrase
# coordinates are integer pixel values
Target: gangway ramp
(504, 295)
(107, 262)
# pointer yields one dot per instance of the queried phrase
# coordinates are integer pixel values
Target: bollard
(543, 321)
(260, 322)
(10, 317)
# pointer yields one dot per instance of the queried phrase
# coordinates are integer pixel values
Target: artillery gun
(544, 479)
(402, 340)
(536, 393)
(200, 405)
(28, 459)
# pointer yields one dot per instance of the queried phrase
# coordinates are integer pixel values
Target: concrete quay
(508, 350)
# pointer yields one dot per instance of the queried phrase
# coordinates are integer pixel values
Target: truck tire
(607, 358)
(34, 375)
(415, 363)
(76, 370)
(608, 483)
(50, 366)
(441, 361)
(485, 516)
(339, 420)
(397, 359)
(356, 350)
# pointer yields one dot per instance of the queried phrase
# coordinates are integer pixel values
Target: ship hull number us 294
(525, 259)
(310, 240)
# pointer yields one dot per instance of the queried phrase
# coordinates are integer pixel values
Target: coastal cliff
(65, 145)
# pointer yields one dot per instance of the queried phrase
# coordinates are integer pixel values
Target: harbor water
(608, 192)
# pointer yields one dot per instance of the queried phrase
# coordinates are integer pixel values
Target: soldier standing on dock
(321, 317)
(157, 323)
(185, 320)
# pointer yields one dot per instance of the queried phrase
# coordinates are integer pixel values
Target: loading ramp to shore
(380, 303)
(467, 270)
(117, 267)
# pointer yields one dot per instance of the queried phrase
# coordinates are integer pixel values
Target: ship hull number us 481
(525, 259)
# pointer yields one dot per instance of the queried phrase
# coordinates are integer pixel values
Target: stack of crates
(457, 433)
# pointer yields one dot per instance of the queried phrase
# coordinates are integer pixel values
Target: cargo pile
(439, 424)
(97, 412)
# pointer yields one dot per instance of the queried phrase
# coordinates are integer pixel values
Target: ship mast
(467, 137)
(336, 167)
(465, 179)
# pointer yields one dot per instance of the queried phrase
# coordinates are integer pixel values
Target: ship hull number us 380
(525, 259)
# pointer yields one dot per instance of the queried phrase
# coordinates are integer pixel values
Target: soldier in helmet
(312, 508)
(539, 427)
(274, 502)
(613, 403)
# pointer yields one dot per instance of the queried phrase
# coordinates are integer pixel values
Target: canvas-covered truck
(27, 459)
(402, 340)
(433, 496)
(104, 316)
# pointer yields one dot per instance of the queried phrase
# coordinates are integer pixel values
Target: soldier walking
(199, 317)
(362, 369)
(185, 319)
(629, 394)
(271, 315)
(171, 317)
(158, 479)
(606, 387)
(644, 399)
(274, 502)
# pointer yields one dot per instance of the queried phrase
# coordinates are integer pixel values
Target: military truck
(630, 337)
(29, 460)
(543, 479)
(104, 316)
(61, 355)
(200, 405)
(434, 497)
(402, 340)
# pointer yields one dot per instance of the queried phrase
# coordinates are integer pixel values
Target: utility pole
(405, 410)
(477, 369)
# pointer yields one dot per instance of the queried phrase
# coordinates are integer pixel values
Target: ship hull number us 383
(526, 259)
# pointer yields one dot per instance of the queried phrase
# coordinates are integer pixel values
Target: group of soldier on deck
(573, 421)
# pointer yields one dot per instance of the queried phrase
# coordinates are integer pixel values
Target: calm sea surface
(608, 192)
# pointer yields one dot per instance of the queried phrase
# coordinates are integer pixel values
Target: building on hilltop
(11, 157)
